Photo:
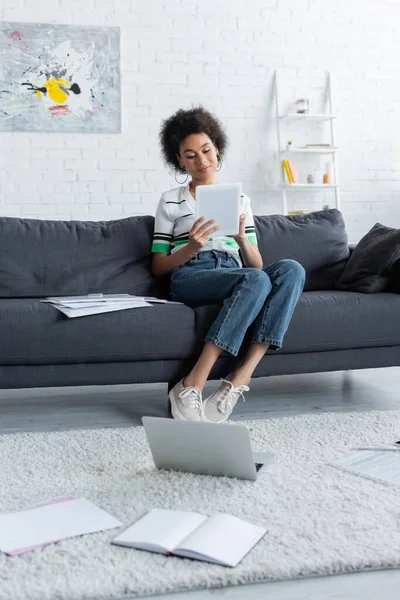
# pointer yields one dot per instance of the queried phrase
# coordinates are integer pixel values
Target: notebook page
(51, 523)
(161, 528)
(224, 538)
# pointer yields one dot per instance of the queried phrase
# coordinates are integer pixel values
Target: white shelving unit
(282, 153)
(310, 151)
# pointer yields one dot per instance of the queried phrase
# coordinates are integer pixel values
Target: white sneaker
(186, 403)
(221, 403)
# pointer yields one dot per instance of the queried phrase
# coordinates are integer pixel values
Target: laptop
(205, 448)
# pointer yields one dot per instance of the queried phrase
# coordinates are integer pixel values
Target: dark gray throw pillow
(368, 269)
(394, 280)
(67, 258)
(318, 241)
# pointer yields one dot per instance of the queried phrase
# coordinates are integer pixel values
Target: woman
(206, 268)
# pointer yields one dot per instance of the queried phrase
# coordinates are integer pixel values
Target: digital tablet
(222, 203)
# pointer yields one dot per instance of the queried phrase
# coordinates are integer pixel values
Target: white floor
(119, 406)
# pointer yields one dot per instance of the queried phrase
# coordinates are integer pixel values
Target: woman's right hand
(200, 234)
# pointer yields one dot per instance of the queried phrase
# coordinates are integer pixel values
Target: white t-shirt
(175, 216)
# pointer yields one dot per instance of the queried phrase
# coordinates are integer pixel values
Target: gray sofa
(330, 330)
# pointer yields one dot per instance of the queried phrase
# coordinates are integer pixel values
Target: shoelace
(195, 402)
(225, 403)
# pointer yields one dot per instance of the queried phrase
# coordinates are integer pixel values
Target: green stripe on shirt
(180, 243)
(231, 243)
(161, 247)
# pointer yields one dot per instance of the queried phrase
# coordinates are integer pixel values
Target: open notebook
(220, 538)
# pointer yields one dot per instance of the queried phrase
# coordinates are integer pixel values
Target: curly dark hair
(184, 123)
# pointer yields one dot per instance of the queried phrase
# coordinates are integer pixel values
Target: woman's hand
(241, 235)
(200, 234)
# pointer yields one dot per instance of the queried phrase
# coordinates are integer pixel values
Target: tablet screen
(222, 203)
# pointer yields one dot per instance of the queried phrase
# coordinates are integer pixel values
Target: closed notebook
(39, 526)
(220, 538)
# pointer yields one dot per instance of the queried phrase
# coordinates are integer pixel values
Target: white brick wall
(220, 53)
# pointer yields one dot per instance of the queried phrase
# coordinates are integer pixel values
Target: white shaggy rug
(320, 520)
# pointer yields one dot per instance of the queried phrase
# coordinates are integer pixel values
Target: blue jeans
(261, 298)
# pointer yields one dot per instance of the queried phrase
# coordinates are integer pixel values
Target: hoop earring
(219, 165)
(181, 182)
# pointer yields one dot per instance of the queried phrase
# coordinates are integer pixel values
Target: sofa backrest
(318, 241)
(60, 258)
(48, 258)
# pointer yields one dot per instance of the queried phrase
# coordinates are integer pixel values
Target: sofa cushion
(331, 320)
(36, 333)
(369, 268)
(318, 241)
(56, 258)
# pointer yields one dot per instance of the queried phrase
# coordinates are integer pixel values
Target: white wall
(220, 53)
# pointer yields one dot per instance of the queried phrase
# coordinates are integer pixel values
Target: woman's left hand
(241, 235)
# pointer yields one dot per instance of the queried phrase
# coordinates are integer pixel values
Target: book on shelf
(290, 170)
(293, 213)
(293, 172)
(287, 170)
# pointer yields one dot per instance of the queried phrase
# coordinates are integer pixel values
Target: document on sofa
(93, 304)
(154, 300)
(380, 464)
(36, 527)
(220, 538)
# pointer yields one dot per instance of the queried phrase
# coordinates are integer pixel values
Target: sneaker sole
(175, 411)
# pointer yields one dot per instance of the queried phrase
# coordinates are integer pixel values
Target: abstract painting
(61, 78)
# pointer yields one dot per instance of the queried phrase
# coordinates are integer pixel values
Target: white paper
(31, 528)
(222, 203)
(223, 538)
(162, 528)
(94, 303)
(103, 299)
(95, 310)
(90, 298)
(159, 300)
(383, 465)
